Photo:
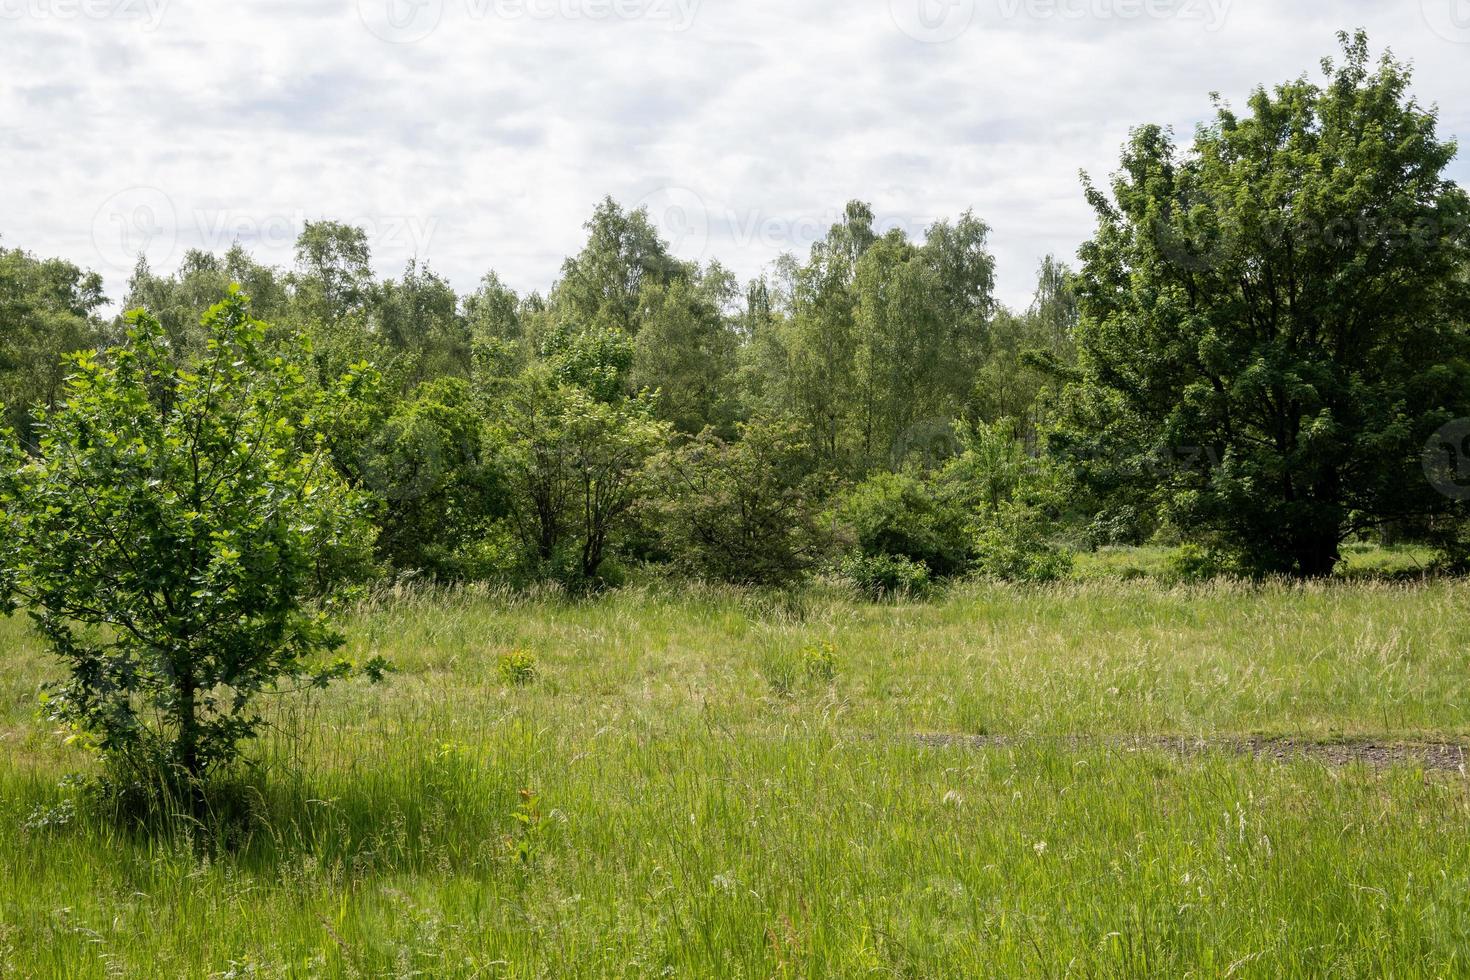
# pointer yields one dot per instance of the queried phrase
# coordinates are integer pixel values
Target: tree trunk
(1317, 554)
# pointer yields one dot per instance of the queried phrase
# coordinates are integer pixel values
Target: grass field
(730, 784)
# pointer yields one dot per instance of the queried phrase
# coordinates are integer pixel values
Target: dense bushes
(905, 516)
(742, 511)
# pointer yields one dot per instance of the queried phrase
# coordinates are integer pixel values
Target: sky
(479, 134)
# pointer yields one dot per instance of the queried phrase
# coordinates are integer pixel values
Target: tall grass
(703, 802)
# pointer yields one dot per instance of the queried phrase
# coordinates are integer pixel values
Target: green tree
(48, 308)
(1029, 355)
(575, 465)
(821, 341)
(1272, 323)
(169, 538)
(603, 283)
(418, 319)
(432, 471)
(179, 300)
(686, 349)
(333, 274)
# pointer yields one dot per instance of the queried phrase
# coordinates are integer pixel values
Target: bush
(1194, 563)
(168, 539)
(885, 576)
(1012, 545)
(574, 467)
(898, 515)
(517, 667)
(433, 476)
(741, 512)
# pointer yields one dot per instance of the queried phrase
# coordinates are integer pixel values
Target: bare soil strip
(1435, 756)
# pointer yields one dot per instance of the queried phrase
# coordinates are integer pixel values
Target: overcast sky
(479, 134)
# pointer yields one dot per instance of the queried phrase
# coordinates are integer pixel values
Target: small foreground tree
(170, 537)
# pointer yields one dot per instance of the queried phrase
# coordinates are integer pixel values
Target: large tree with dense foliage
(1272, 322)
(169, 538)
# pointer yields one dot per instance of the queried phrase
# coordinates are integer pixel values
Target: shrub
(437, 491)
(167, 541)
(1194, 563)
(574, 467)
(517, 667)
(885, 576)
(1012, 545)
(741, 512)
(820, 662)
(786, 672)
(900, 516)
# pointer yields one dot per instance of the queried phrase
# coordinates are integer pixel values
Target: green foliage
(1191, 563)
(743, 511)
(883, 576)
(435, 481)
(179, 300)
(878, 335)
(685, 351)
(1013, 544)
(574, 466)
(333, 275)
(787, 672)
(603, 283)
(168, 539)
(598, 359)
(820, 661)
(516, 667)
(47, 310)
(1029, 355)
(917, 520)
(1273, 323)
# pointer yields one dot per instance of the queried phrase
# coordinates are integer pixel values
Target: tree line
(1262, 354)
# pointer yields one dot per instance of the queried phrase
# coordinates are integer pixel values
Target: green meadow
(677, 781)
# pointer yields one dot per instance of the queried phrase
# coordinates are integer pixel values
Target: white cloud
(481, 133)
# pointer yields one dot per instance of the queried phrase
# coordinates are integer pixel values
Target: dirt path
(1436, 756)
